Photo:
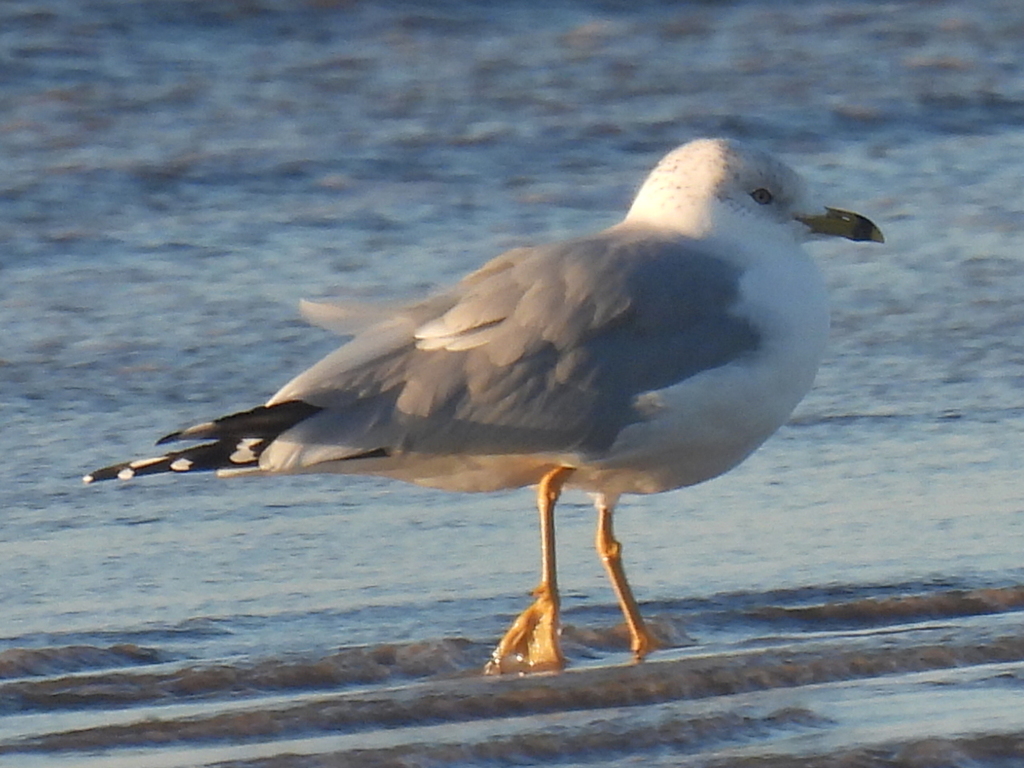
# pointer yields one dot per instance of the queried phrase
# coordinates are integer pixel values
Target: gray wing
(542, 350)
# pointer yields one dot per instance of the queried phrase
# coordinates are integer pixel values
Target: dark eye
(762, 196)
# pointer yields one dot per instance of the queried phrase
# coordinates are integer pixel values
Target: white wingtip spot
(140, 463)
(197, 430)
(236, 471)
(126, 474)
(88, 479)
(181, 465)
(243, 451)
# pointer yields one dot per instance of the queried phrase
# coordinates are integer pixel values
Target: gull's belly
(701, 427)
(695, 430)
(692, 431)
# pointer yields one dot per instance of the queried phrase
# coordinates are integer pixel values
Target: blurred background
(175, 175)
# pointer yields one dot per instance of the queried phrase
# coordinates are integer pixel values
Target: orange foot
(642, 642)
(531, 644)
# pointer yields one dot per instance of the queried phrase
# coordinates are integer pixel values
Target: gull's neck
(739, 237)
(664, 203)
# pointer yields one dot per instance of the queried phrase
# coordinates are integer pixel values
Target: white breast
(709, 423)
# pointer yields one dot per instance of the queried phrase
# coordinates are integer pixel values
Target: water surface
(178, 175)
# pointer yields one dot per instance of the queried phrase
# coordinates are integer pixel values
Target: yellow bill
(846, 224)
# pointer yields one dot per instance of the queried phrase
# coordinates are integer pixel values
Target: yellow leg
(610, 551)
(532, 644)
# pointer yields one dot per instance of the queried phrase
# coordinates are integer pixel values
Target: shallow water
(178, 175)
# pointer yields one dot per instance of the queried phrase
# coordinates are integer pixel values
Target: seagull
(656, 354)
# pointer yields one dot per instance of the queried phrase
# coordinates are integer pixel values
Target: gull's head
(722, 189)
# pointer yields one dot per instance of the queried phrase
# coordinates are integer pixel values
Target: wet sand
(177, 175)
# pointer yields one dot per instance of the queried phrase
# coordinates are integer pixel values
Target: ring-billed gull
(656, 354)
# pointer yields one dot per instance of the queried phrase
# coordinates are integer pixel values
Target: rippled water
(177, 175)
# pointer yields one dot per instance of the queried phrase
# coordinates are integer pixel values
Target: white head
(708, 186)
(718, 188)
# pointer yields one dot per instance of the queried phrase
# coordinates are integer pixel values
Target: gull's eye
(762, 196)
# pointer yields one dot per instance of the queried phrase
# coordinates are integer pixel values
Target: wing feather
(543, 349)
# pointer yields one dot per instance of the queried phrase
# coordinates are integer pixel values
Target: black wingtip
(169, 438)
(178, 461)
(231, 443)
